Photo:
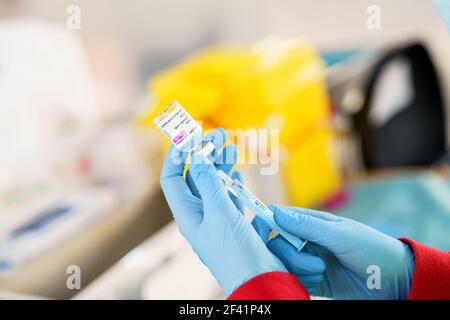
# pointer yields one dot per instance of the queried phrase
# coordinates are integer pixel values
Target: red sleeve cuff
(271, 286)
(431, 279)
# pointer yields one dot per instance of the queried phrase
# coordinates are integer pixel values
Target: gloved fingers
(310, 282)
(191, 184)
(261, 228)
(227, 158)
(314, 213)
(209, 184)
(299, 263)
(229, 152)
(306, 226)
(177, 193)
(172, 171)
(217, 137)
(238, 204)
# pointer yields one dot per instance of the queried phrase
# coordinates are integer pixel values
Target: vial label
(177, 125)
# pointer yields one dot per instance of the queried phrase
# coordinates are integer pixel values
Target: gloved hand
(308, 268)
(211, 222)
(354, 254)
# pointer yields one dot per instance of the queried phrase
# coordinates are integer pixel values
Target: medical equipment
(258, 208)
(42, 226)
(186, 135)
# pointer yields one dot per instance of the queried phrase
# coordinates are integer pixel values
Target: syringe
(258, 208)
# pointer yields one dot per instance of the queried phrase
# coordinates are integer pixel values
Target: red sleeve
(271, 286)
(431, 279)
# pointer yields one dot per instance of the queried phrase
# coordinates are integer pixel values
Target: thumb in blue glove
(361, 262)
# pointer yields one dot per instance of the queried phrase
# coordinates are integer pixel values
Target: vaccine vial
(182, 130)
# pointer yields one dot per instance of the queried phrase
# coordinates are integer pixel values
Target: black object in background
(414, 136)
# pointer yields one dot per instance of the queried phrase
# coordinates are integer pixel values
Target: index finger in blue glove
(210, 186)
(308, 212)
(229, 152)
(227, 158)
(306, 224)
(262, 228)
(176, 191)
(217, 137)
(238, 203)
(172, 170)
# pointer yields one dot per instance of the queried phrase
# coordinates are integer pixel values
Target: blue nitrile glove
(353, 254)
(308, 268)
(208, 218)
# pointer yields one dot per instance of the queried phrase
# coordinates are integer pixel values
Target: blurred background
(359, 90)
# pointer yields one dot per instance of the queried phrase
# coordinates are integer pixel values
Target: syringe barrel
(258, 208)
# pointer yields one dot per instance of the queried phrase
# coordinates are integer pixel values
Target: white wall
(153, 25)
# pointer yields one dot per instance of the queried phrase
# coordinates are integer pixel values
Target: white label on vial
(178, 125)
